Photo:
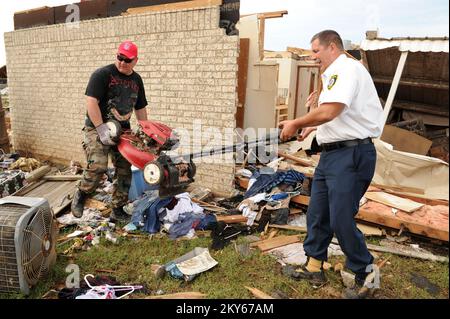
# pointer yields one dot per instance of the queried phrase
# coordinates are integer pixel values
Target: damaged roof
(437, 44)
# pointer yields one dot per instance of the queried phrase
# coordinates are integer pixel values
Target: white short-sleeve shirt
(348, 82)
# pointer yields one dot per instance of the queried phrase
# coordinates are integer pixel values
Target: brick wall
(187, 63)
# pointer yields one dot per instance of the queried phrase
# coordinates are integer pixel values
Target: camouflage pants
(97, 165)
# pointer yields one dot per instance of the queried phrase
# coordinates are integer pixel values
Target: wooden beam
(37, 174)
(415, 223)
(62, 177)
(439, 85)
(175, 6)
(303, 162)
(181, 295)
(268, 15)
(269, 244)
(422, 108)
(301, 199)
(232, 219)
(287, 227)
(388, 250)
(418, 255)
(244, 51)
(261, 35)
(272, 15)
(394, 87)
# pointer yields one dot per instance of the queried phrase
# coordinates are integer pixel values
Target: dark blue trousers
(340, 181)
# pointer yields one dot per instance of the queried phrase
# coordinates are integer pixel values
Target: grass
(131, 260)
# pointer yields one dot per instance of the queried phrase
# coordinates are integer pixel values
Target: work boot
(312, 272)
(79, 197)
(359, 289)
(119, 215)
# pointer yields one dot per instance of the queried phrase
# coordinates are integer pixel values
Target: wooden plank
(28, 188)
(418, 255)
(175, 6)
(420, 107)
(404, 253)
(273, 15)
(37, 173)
(369, 230)
(287, 227)
(258, 293)
(394, 87)
(244, 51)
(232, 219)
(303, 162)
(273, 243)
(427, 119)
(439, 85)
(429, 221)
(181, 295)
(301, 199)
(62, 178)
(390, 200)
(261, 37)
(406, 141)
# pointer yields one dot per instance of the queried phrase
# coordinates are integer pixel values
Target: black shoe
(79, 197)
(119, 215)
(317, 279)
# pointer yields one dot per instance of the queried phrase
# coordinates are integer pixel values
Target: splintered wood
(428, 221)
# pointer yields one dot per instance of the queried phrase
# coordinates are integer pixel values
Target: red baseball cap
(128, 49)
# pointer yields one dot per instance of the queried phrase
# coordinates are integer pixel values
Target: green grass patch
(131, 260)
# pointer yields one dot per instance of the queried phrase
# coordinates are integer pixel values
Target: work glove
(104, 135)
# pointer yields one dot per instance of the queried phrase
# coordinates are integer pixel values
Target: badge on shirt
(332, 81)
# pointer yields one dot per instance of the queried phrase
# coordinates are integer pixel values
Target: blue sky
(351, 18)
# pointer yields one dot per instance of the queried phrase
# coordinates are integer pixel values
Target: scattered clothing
(266, 182)
(183, 207)
(250, 208)
(91, 217)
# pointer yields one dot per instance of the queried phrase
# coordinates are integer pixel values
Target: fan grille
(38, 245)
(9, 277)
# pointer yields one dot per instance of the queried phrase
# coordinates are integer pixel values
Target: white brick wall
(188, 65)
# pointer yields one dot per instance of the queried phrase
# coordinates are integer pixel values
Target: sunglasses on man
(123, 59)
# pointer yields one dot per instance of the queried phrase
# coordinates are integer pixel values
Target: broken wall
(187, 63)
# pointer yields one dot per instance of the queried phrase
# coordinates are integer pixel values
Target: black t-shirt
(118, 94)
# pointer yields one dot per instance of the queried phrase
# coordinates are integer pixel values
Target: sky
(351, 18)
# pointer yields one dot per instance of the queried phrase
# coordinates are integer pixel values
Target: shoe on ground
(317, 279)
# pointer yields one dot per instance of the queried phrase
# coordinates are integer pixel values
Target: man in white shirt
(348, 117)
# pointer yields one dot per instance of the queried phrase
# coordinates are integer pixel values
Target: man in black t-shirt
(113, 92)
